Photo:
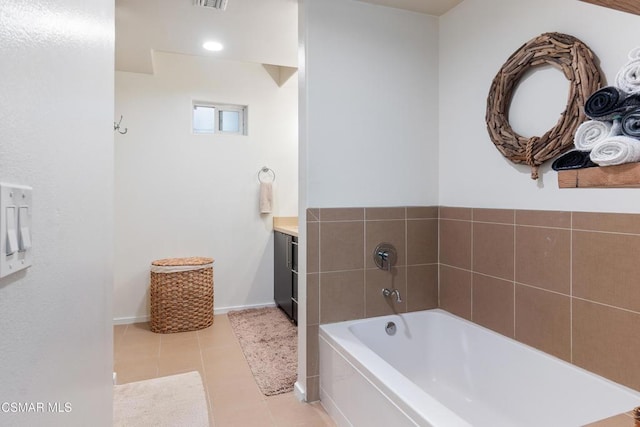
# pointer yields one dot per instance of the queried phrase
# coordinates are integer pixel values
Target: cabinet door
(294, 279)
(282, 276)
(294, 254)
(294, 297)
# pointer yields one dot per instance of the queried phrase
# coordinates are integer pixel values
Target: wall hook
(116, 126)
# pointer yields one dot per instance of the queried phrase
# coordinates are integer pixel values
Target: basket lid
(171, 262)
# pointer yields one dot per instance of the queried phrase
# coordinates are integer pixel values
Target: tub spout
(386, 292)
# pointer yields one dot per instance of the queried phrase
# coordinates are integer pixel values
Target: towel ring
(266, 171)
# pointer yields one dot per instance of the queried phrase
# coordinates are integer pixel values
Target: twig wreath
(578, 64)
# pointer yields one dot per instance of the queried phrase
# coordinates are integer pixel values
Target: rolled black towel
(631, 123)
(609, 103)
(603, 102)
(573, 160)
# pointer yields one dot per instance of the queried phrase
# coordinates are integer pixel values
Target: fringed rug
(269, 342)
(176, 400)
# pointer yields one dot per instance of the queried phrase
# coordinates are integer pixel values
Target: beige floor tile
(140, 338)
(178, 369)
(136, 351)
(325, 418)
(211, 420)
(118, 332)
(228, 352)
(253, 414)
(227, 391)
(220, 322)
(221, 319)
(288, 411)
(173, 348)
(136, 370)
(138, 328)
(176, 355)
(217, 341)
(233, 396)
(220, 325)
(227, 372)
(131, 377)
(178, 363)
(179, 337)
(217, 338)
(224, 361)
(117, 346)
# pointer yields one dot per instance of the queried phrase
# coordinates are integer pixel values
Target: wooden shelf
(631, 6)
(622, 176)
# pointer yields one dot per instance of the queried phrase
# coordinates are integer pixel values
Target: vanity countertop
(286, 224)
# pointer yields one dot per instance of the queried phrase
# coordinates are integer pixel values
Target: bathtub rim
(405, 394)
(401, 391)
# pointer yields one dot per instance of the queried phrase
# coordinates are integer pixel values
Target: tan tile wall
(344, 284)
(567, 283)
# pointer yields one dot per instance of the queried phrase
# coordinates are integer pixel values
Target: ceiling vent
(214, 4)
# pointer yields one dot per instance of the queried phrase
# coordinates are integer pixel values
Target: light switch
(24, 234)
(12, 230)
(15, 228)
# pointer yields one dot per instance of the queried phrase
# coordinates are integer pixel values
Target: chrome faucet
(385, 256)
(386, 292)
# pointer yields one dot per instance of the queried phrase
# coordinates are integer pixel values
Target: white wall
(476, 38)
(300, 388)
(179, 194)
(371, 104)
(368, 114)
(56, 108)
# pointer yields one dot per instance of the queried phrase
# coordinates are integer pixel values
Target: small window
(223, 119)
(204, 119)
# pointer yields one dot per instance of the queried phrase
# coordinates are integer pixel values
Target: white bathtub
(443, 371)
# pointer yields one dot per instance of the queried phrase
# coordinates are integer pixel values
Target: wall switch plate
(15, 228)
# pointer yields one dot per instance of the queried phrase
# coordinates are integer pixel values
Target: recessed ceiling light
(213, 46)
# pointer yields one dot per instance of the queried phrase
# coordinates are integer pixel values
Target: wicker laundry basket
(181, 294)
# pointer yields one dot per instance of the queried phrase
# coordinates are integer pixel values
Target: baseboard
(216, 311)
(225, 310)
(129, 320)
(299, 392)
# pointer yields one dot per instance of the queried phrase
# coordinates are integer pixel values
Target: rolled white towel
(616, 150)
(634, 54)
(590, 133)
(628, 78)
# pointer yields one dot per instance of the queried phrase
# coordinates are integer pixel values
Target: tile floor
(233, 396)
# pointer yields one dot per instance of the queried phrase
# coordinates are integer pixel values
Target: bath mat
(176, 400)
(269, 342)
